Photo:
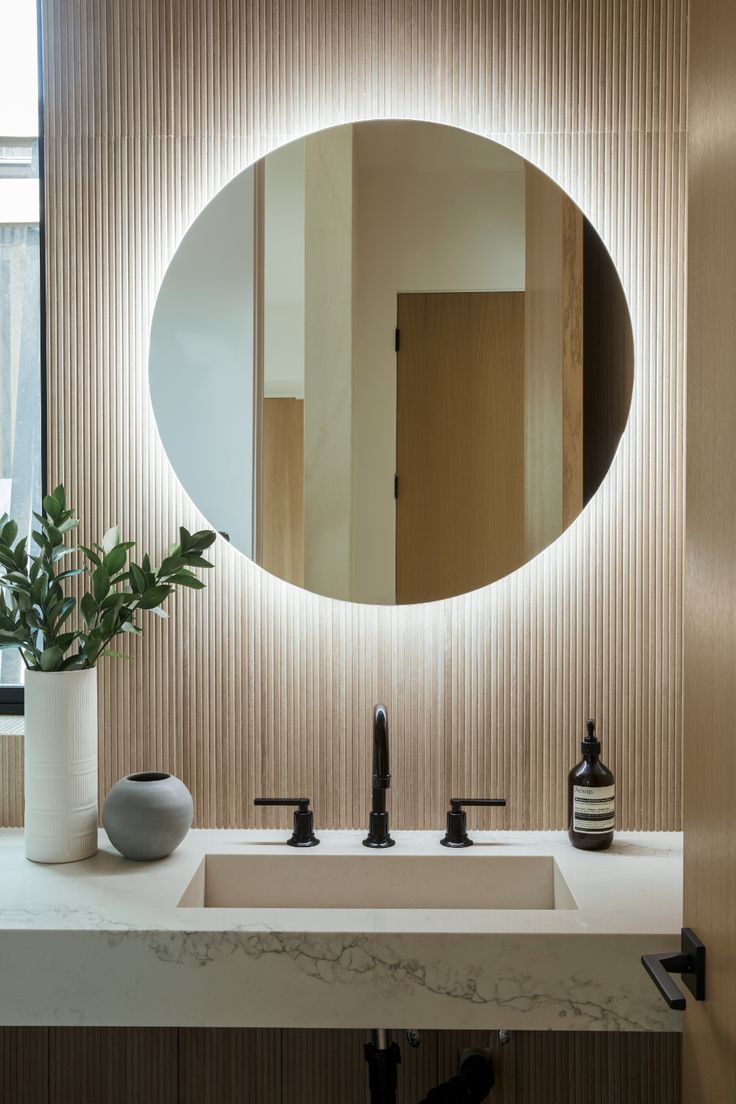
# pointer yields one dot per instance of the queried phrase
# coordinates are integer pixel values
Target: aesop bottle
(591, 798)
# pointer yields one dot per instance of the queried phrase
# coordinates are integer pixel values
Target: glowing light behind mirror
(360, 189)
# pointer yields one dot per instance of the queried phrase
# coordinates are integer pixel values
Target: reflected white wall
(201, 362)
(283, 273)
(328, 282)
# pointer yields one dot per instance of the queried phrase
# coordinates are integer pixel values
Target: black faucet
(378, 833)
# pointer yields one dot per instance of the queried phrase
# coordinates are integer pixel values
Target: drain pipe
(382, 1058)
(472, 1083)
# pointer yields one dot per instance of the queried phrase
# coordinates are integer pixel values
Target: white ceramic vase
(60, 751)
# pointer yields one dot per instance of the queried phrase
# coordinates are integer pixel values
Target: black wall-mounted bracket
(689, 964)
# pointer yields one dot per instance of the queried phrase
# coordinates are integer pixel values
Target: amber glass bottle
(591, 798)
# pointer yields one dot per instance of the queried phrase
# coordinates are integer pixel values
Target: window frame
(12, 698)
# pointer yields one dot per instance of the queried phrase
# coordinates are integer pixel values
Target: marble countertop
(104, 941)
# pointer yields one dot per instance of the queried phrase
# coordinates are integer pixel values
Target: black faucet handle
(457, 821)
(456, 803)
(303, 833)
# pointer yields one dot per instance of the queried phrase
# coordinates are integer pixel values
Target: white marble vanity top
(105, 941)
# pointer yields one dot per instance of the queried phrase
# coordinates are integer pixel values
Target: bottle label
(593, 809)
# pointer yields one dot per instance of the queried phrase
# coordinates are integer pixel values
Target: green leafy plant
(35, 610)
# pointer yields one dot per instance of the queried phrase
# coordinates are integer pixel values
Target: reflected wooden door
(282, 511)
(460, 442)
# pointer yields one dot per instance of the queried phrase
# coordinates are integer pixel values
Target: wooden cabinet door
(709, 782)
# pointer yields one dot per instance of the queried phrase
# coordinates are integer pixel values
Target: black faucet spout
(381, 770)
(378, 832)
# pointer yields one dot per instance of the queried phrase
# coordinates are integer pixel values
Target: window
(21, 328)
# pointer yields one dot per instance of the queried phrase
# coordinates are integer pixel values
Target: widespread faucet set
(378, 829)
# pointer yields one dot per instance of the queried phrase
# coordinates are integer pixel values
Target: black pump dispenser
(591, 797)
(590, 744)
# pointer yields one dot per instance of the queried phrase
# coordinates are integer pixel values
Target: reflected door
(282, 512)
(460, 442)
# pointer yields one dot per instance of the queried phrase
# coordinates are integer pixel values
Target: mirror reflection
(391, 362)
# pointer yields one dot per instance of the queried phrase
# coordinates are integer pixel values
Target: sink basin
(386, 881)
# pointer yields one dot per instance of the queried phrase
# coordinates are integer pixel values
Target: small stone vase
(147, 815)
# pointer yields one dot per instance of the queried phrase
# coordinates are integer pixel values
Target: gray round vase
(147, 815)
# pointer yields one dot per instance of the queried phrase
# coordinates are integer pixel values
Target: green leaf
(49, 531)
(39, 589)
(115, 559)
(137, 579)
(64, 610)
(73, 663)
(70, 574)
(110, 540)
(160, 613)
(197, 561)
(9, 532)
(185, 538)
(203, 539)
(129, 627)
(115, 600)
(20, 555)
(88, 607)
(60, 552)
(52, 507)
(91, 555)
(115, 655)
(51, 658)
(169, 565)
(154, 596)
(6, 558)
(92, 649)
(185, 579)
(100, 583)
(109, 624)
(33, 618)
(60, 495)
(17, 578)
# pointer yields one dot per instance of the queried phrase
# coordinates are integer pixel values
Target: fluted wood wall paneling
(256, 686)
(270, 1066)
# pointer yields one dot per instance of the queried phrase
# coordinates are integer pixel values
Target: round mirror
(391, 362)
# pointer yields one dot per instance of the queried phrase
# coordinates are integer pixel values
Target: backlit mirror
(391, 362)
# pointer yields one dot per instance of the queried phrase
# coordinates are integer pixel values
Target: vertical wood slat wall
(256, 686)
(231, 1066)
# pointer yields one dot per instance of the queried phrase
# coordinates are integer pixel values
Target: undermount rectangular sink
(385, 881)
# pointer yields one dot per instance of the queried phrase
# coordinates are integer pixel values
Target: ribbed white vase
(60, 748)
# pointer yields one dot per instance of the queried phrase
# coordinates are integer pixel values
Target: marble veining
(348, 960)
